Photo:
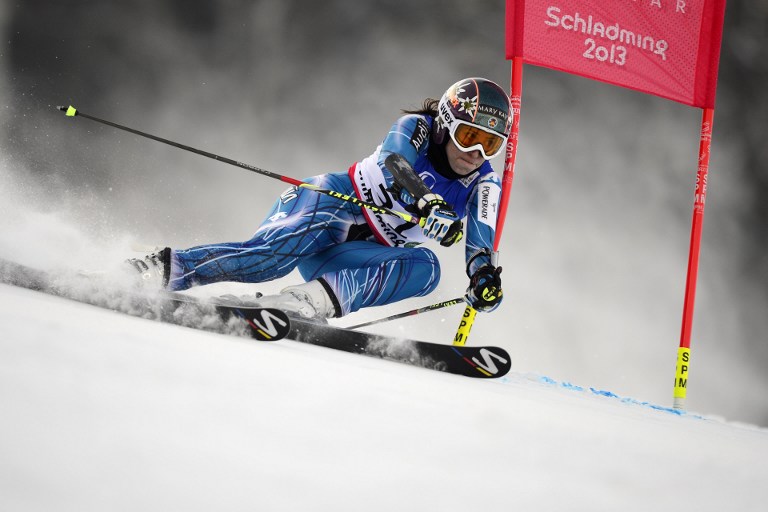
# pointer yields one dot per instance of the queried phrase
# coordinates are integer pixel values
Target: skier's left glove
(484, 292)
(442, 223)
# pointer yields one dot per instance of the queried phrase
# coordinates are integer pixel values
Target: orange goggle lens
(469, 138)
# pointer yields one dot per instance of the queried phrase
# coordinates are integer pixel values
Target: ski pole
(72, 112)
(412, 312)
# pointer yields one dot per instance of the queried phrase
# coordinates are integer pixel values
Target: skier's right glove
(484, 292)
(442, 223)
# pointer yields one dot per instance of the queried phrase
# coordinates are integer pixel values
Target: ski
(480, 362)
(263, 324)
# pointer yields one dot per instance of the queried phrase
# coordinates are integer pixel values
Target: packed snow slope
(102, 411)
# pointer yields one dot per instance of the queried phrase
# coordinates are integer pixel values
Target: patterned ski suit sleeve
(481, 218)
(409, 137)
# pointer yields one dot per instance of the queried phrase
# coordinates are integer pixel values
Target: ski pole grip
(70, 111)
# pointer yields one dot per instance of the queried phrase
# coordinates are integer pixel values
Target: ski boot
(154, 268)
(311, 301)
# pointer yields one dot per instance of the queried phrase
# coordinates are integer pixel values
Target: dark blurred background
(596, 241)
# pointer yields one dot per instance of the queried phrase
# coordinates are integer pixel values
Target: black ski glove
(484, 292)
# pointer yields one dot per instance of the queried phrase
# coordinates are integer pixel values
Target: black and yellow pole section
(73, 112)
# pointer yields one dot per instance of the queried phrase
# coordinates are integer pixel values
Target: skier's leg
(251, 261)
(301, 223)
(363, 274)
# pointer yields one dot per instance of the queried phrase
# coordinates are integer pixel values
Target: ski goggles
(469, 137)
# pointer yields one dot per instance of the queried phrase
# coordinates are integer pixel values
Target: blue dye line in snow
(609, 394)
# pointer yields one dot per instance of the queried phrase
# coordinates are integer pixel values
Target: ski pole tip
(70, 110)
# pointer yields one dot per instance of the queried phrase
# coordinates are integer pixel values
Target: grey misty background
(596, 240)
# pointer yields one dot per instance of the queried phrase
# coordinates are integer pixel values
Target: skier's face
(463, 163)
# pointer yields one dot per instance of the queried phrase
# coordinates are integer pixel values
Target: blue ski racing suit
(364, 258)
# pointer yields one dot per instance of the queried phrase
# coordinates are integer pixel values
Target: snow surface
(102, 411)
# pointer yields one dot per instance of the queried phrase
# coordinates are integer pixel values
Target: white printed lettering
(268, 323)
(488, 364)
(615, 53)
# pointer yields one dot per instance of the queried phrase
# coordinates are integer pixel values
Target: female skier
(432, 164)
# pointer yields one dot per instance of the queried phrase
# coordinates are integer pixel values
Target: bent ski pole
(72, 112)
(412, 312)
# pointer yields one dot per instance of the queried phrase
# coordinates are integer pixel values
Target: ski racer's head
(475, 113)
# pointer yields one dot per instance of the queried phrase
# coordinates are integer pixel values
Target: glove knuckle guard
(484, 292)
